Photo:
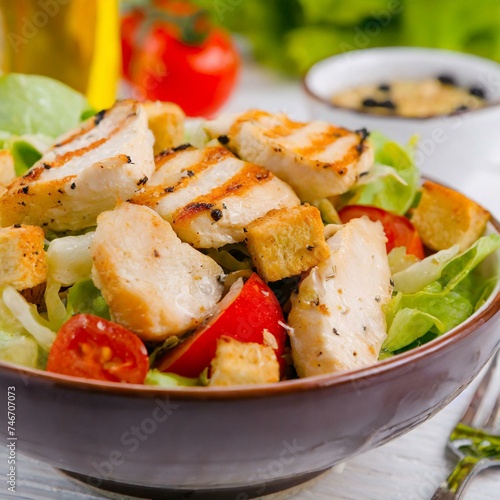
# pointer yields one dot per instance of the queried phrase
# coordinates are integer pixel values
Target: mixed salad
(251, 249)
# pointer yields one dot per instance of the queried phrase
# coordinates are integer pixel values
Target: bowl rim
(394, 50)
(282, 388)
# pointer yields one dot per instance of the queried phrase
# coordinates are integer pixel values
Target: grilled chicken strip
(317, 159)
(337, 313)
(209, 196)
(153, 283)
(84, 173)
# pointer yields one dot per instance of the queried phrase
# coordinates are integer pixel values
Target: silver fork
(473, 440)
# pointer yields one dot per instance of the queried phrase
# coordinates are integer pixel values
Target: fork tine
(477, 399)
(494, 417)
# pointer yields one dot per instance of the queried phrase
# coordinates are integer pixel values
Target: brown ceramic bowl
(244, 441)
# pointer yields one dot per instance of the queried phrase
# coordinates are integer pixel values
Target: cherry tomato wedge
(398, 229)
(254, 310)
(91, 347)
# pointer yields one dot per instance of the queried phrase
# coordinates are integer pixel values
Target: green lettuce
(34, 111)
(458, 290)
(34, 104)
(396, 189)
(25, 337)
(156, 377)
(85, 297)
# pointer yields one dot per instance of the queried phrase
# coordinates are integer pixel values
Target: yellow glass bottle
(74, 41)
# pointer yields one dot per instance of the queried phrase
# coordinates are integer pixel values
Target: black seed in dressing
(446, 80)
(477, 92)
(223, 139)
(369, 103)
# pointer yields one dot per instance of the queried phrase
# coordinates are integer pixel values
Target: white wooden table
(409, 468)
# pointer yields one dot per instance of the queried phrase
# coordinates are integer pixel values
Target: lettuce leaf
(68, 261)
(155, 377)
(33, 104)
(25, 337)
(392, 192)
(85, 297)
(453, 287)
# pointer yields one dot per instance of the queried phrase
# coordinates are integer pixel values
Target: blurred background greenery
(291, 35)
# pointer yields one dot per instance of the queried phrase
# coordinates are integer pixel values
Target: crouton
(243, 363)
(22, 257)
(287, 241)
(7, 170)
(166, 121)
(444, 218)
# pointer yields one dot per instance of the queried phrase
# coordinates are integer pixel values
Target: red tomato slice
(254, 309)
(398, 229)
(91, 347)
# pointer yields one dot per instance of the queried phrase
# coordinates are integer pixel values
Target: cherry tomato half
(398, 229)
(91, 347)
(254, 310)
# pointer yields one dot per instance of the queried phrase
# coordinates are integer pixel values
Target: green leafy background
(291, 35)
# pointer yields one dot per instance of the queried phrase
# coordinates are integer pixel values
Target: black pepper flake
(22, 203)
(377, 298)
(391, 282)
(169, 189)
(181, 147)
(17, 226)
(25, 189)
(99, 116)
(216, 214)
(462, 107)
(363, 133)
(362, 174)
(190, 173)
(142, 181)
(335, 331)
(341, 172)
(245, 230)
(155, 253)
(60, 191)
(384, 87)
(478, 92)
(223, 139)
(310, 248)
(46, 166)
(364, 328)
(129, 160)
(354, 353)
(73, 185)
(446, 80)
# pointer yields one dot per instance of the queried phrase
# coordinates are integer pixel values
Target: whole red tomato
(171, 52)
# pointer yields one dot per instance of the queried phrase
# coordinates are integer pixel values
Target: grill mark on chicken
(154, 193)
(248, 177)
